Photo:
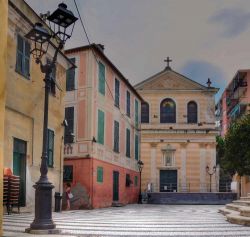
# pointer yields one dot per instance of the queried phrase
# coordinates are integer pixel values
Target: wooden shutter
(136, 113)
(100, 127)
(136, 147)
(20, 49)
(100, 174)
(26, 59)
(116, 136)
(117, 93)
(101, 78)
(128, 104)
(50, 151)
(70, 77)
(128, 143)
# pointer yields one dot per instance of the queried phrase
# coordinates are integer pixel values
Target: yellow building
(3, 52)
(177, 134)
(24, 106)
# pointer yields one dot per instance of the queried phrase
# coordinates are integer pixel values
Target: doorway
(115, 186)
(168, 180)
(19, 167)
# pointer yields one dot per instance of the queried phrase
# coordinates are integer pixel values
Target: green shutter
(70, 77)
(136, 147)
(19, 59)
(116, 136)
(100, 127)
(23, 56)
(101, 78)
(50, 151)
(136, 113)
(99, 174)
(128, 143)
(136, 181)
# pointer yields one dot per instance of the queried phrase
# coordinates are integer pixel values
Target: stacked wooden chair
(11, 194)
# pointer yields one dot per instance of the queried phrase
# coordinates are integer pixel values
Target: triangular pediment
(169, 80)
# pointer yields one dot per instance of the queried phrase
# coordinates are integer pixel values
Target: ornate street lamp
(210, 175)
(62, 19)
(140, 167)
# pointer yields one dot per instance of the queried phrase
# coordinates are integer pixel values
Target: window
(67, 173)
(136, 147)
(101, 78)
(52, 88)
(116, 136)
(192, 112)
(99, 174)
(100, 136)
(168, 111)
(128, 104)
(144, 112)
(128, 142)
(50, 151)
(69, 130)
(70, 77)
(128, 180)
(136, 113)
(117, 93)
(23, 57)
(136, 181)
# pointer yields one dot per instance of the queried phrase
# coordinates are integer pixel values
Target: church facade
(178, 134)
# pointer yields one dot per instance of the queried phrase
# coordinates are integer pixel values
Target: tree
(237, 147)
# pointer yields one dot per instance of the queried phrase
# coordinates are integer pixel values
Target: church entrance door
(168, 180)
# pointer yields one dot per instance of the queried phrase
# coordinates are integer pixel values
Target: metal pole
(43, 188)
(210, 175)
(140, 196)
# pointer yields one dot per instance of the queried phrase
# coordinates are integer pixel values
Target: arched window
(192, 112)
(168, 111)
(144, 112)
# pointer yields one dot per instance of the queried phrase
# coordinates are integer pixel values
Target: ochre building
(24, 107)
(177, 134)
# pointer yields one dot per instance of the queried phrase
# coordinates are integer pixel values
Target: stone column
(153, 169)
(3, 66)
(183, 184)
(203, 185)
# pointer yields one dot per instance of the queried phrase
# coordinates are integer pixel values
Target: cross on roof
(168, 60)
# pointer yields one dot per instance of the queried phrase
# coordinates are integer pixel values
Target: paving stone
(135, 220)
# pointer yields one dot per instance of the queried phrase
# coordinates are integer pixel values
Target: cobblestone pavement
(136, 220)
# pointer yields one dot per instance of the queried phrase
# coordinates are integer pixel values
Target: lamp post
(140, 166)
(210, 175)
(61, 19)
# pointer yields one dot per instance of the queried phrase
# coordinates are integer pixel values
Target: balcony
(237, 111)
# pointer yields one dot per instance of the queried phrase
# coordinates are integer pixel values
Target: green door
(168, 180)
(115, 186)
(19, 166)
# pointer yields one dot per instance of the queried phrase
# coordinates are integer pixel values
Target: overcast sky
(204, 38)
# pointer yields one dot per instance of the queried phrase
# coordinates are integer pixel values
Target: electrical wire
(86, 34)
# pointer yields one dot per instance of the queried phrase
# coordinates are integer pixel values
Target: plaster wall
(3, 54)
(25, 105)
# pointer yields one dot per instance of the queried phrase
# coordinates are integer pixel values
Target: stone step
(245, 198)
(245, 211)
(241, 203)
(233, 207)
(237, 219)
(225, 211)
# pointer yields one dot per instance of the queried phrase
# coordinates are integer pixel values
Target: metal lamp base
(43, 209)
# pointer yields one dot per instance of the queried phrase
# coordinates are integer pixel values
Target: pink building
(102, 137)
(234, 101)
